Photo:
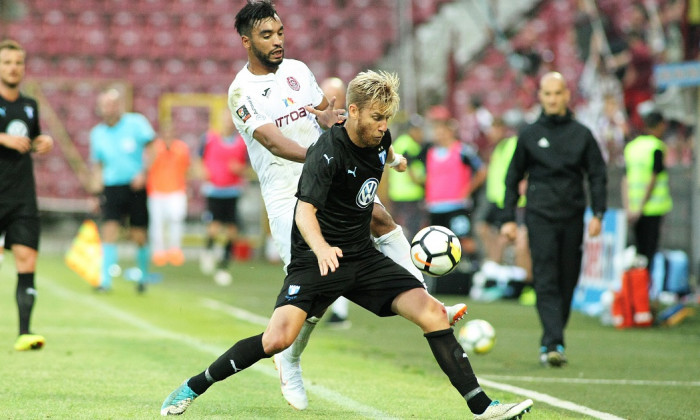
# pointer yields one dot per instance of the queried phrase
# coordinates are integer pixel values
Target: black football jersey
(18, 118)
(341, 180)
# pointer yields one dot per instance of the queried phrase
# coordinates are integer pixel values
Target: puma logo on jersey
(543, 143)
(328, 158)
(353, 172)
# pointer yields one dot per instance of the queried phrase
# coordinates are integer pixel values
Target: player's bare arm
(138, 182)
(96, 185)
(307, 223)
(42, 144)
(278, 144)
(20, 144)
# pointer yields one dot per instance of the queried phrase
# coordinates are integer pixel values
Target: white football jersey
(276, 98)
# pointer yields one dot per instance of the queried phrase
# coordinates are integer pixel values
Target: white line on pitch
(103, 307)
(238, 313)
(594, 381)
(548, 399)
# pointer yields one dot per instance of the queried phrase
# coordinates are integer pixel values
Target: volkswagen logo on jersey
(365, 196)
(292, 82)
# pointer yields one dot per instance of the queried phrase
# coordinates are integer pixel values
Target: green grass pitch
(117, 356)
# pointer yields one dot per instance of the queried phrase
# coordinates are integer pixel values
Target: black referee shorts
(119, 202)
(20, 223)
(371, 280)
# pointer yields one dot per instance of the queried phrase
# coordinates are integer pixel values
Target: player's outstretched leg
(425, 311)
(395, 246)
(288, 364)
(240, 356)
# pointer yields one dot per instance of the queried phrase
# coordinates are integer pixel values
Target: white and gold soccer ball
(435, 250)
(477, 336)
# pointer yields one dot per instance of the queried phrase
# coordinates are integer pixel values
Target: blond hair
(375, 88)
(9, 44)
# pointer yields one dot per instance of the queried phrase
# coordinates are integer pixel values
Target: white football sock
(395, 246)
(293, 353)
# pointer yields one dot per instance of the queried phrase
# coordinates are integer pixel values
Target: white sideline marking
(594, 381)
(548, 399)
(103, 307)
(239, 313)
(538, 396)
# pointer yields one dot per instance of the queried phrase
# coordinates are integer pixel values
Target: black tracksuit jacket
(556, 152)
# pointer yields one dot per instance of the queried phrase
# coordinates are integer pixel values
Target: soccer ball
(477, 336)
(435, 250)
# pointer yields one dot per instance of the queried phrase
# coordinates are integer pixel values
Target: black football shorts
(371, 280)
(20, 223)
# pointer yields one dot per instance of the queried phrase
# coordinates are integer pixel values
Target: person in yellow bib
(500, 134)
(406, 189)
(645, 190)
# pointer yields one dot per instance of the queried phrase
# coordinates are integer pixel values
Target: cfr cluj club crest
(292, 82)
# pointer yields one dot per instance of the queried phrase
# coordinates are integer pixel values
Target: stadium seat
(197, 45)
(124, 19)
(163, 45)
(160, 20)
(142, 70)
(73, 66)
(131, 44)
(93, 42)
(108, 67)
(38, 66)
(184, 7)
(89, 18)
(150, 6)
(26, 35)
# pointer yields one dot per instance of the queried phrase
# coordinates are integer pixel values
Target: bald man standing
(557, 154)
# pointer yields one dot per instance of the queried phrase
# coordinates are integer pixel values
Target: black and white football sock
(454, 362)
(243, 354)
(25, 300)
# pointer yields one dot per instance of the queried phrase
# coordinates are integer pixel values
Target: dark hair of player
(252, 13)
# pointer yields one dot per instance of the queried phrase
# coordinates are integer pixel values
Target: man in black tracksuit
(556, 153)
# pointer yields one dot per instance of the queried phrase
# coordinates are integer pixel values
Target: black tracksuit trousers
(556, 248)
